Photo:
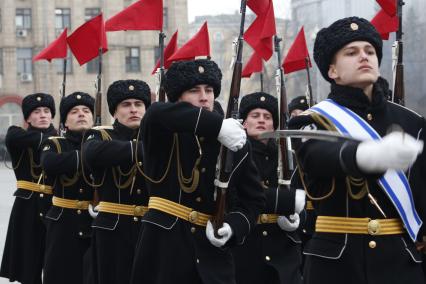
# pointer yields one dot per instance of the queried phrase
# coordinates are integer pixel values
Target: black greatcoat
(24, 249)
(68, 230)
(270, 255)
(350, 258)
(114, 235)
(170, 249)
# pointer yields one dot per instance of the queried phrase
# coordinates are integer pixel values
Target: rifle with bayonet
(398, 92)
(225, 161)
(64, 80)
(98, 98)
(160, 89)
(285, 161)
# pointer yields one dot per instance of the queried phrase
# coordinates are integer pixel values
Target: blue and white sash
(394, 183)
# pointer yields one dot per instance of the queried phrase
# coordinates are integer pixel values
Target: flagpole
(261, 81)
(161, 92)
(98, 101)
(310, 95)
(64, 82)
(398, 92)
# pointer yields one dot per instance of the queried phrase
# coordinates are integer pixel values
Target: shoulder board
(56, 137)
(404, 107)
(102, 127)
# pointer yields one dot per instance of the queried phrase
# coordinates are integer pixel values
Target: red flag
(56, 49)
(168, 51)
(296, 56)
(258, 6)
(198, 45)
(385, 24)
(142, 15)
(259, 34)
(87, 39)
(389, 6)
(253, 65)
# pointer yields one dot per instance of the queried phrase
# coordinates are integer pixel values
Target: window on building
(62, 19)
(23, 18)
(24, 63)
(93, 65)
(60, 64)
(165, 18)
(1, 61)
(133, 59)
(90, 13)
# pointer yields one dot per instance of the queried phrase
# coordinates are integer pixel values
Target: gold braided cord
(361, 193)
(128, 182)
(139, 164)
(17, 164)
(190, 184)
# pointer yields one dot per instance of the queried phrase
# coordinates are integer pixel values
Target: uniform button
(134, 140)
(80, 233)
(78, 211)
(267, 258)
(41, 195)
(203, 170)
(198, 199)
(140, 163)
(201, 139)
(81, 190)
(264, 233)
(41, 214)
(267, 182)
(138, 191)
(135, 219)
(304, 231)
(193, 229)
(369, 116)
(372, 244)
(198, 261)
(266, 158)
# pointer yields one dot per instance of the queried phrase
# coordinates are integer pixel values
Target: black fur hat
(183, 75)
(127, 89)
(75, 99)
(33, 101)
(299, 102)
(259, 100)
(332, 39)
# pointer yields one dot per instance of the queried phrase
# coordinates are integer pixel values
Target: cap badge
(38, 98)
(302, 101)
(262, 98)
(131, 88)
(354, 26)
(200, 69)
(78, 97)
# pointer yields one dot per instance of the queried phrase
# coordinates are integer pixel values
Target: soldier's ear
(332, 72)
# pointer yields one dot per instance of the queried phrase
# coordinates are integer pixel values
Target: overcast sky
(215, 7)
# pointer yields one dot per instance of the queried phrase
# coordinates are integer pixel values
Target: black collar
(124, 131)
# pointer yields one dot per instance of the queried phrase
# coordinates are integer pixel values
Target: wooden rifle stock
(398, 94)
(225, 162)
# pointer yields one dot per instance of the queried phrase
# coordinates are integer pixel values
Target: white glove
(93, 211)
(397, 151)
(232, 134)
(300, 201)
(289, 225)
(225, 231)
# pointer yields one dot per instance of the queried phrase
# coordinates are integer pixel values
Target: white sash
(394, 183)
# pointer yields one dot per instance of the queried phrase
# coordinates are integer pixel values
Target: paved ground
(7, 187)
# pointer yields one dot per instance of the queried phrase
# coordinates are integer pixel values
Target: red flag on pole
(87, 39)
(258, 6)
(385, 24)
(389, 6)
(253, 65)
(142, 15)
(297, 54)
(168, 51)
(198, 45)
(56, 49)
(259, 34)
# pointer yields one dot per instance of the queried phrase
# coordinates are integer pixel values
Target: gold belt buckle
(138, 210)
(373, 227)
(193, 216)
(264, 218)
(79, 204)
(42, 188)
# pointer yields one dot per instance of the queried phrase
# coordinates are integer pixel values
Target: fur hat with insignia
(299, 102)
(75, 99)
(127, 89)
(331, 39)
(184, 75)
(259, 100)
(33, 101)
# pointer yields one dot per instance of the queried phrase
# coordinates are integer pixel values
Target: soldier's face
(40, 117)
(130, 112)
(79, 118)
(295, 112)
(258, 121)
(355, 65)
(199, 96)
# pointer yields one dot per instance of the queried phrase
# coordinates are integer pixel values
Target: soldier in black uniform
(272, 252)
(112, 154)
(359, 235)
(181, 142)
(69, 223)
(297, 106)
(24, 249)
